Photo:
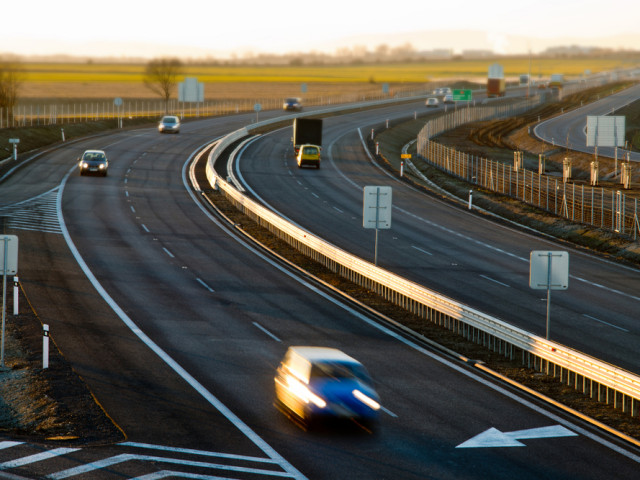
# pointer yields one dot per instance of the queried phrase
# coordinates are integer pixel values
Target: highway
(569, 130)
(445, 247)
(177, 325)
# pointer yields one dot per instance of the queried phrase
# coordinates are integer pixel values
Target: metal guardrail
(599, 379)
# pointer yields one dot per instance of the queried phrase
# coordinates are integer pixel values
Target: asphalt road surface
(445, 247)
(177, 325)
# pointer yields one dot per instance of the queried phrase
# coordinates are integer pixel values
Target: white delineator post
(45, 346)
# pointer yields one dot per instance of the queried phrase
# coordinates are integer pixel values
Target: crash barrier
(600, 380)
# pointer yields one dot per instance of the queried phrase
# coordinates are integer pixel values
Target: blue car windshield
(338, 370)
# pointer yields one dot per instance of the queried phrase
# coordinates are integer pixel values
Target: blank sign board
(605, 131)
(376, 211)
(539, 275)
(11, 242)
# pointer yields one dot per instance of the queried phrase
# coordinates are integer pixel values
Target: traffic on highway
(216, 358)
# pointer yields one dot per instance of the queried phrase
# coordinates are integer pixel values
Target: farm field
(107, 80)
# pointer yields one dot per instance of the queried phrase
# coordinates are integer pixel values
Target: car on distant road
(292, 103)
(309, 155)
(169, 124)
(317, 384)
(93, 162)
(448, 98)
(432, 102)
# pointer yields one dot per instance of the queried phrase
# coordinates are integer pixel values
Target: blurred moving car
(432, 102)
(169, 124)
(320, 383)
(94, 161)
(448, 98)
(309, 155)
(292, 103)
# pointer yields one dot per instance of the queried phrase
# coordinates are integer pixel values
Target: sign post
(550, 271)
(9, 258)
(376, 211)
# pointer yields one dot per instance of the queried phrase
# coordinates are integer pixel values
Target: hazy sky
(194, 28)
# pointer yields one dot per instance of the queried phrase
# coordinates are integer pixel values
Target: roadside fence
(597, 206)
(70, 112)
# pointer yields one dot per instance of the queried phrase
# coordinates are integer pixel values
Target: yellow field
(96, 80)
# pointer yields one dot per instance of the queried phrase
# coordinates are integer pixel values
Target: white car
(448, 98)
(432, 102)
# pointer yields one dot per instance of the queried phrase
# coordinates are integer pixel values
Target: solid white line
(197, 386)
(19, 462)
(606, 323)
(118, 459)
(173, 474)
(168, 252)
(8, 444)
(201, 282)
(495, 281)
(421, 250)
(191, 451)
(267, 332)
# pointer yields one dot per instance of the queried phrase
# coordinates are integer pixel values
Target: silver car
(169, 124)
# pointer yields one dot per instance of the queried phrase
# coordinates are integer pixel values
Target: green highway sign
(461, 95)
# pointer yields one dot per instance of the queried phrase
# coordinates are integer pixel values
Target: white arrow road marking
(495, 438)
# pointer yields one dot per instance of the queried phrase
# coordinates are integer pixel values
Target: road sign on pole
(9, 259)
(461, 95)
(376, 211)
(550, 271)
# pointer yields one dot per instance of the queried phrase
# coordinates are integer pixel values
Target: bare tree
(11, 77)
(161, 76)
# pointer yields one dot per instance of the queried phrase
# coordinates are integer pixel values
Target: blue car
(316, 384)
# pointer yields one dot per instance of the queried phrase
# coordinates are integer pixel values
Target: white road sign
(11, 241)
(605, 131)
(541, 278)
(376, 211)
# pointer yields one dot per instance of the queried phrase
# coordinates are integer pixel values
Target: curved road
(181, 346)
(445, 247)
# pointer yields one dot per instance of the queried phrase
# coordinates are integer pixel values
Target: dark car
(316, 384)
(169, 124)
(93, 161)
(294, 104)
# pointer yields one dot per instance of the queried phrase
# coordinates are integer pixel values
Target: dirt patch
(45, 404)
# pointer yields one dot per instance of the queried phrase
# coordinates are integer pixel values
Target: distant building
(477, 54)
(438, 54)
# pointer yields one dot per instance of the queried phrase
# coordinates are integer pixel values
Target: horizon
(125, 29)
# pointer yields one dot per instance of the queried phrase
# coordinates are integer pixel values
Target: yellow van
(309, 155)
